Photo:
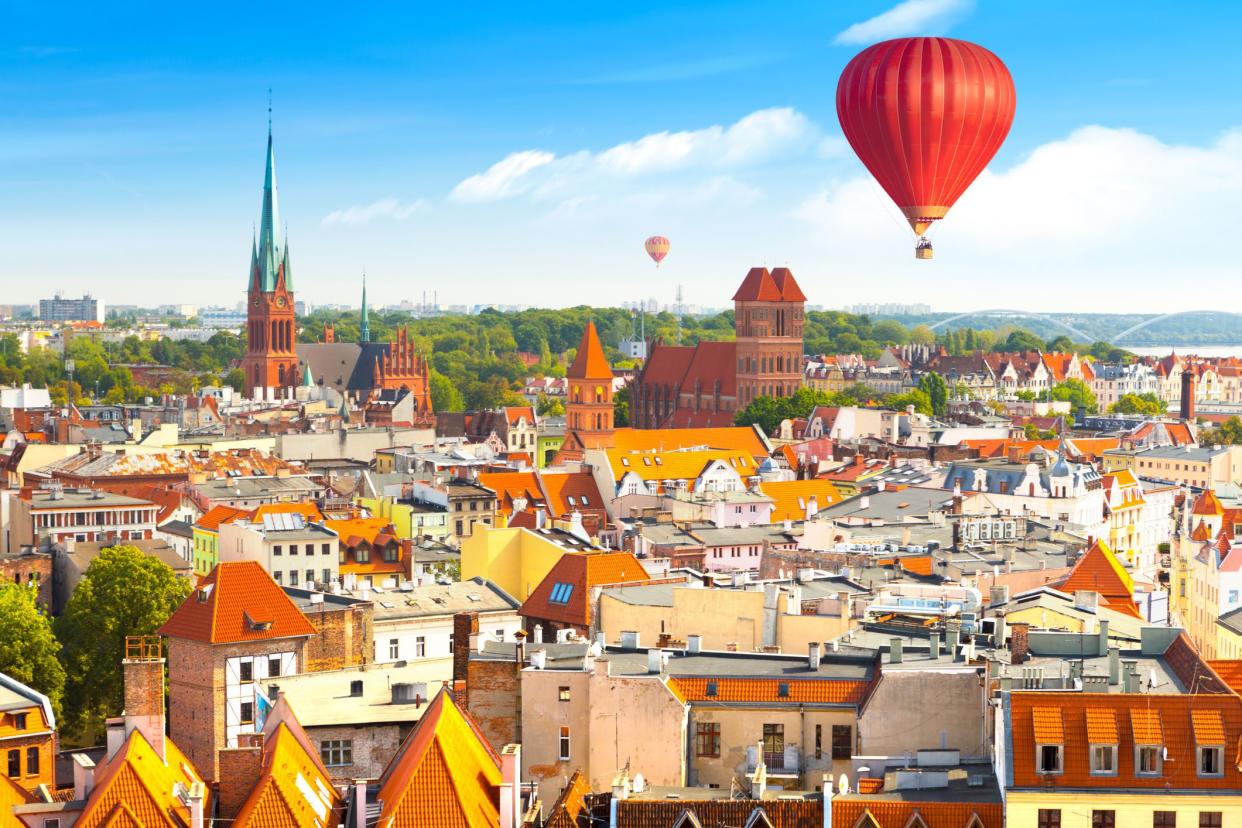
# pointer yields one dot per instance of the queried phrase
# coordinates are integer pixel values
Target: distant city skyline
(522, 159)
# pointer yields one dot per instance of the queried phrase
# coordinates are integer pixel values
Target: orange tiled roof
(354, 531)
(590, 362)
(1208, 504)
(1048, 726)
(1101, 726)
(444, 774)
(307, 510)
(580, 486)
(790, 497)
(1099, 571)
(570, 804)
(292, 788)
(135, 788)
(1208, 727)
(806, 691)
(237, 601)
(1164, 720)
(737, 438)
(510, 485)
(564, 593)
(887, 813)
(1230, 672)
(11, 794)
(514, 413)
(219, 514)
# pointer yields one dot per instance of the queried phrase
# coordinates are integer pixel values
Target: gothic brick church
(704, 385)
(366, 373)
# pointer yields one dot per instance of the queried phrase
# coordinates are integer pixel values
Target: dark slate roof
(343, 366)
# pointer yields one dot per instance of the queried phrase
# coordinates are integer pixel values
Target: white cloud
(1101, 214)
(385, 208)
(912, 17)
(758, 137)
(505, 178)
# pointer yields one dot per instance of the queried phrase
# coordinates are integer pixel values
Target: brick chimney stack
(143, 671)
(1188, 394)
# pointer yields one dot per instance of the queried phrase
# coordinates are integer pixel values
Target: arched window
(599, 393)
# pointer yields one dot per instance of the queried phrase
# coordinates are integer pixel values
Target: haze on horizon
(522, 159)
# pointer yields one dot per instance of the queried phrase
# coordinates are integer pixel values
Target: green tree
(1147, 404)
(546, 406)
(235, 379)
(1026, 395)
(915, 397)
(620, 408)
(1060, 345)
(444, 395)
(1078, 394)
(1020, 340)
(28, 648)
(1228, 433)
(123, 592)
(765, 412)
(937, 391)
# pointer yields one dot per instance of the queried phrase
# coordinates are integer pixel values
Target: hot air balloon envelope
(657, 248)
(925, 116)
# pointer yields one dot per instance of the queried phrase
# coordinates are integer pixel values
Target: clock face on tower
(280, 301)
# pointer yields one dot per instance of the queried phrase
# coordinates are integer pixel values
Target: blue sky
(521, 157)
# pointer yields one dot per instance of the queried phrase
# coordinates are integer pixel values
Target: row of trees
(75, 660)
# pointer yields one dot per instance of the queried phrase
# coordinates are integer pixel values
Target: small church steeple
(364, 327)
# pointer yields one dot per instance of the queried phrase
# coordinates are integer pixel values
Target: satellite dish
(844, 784)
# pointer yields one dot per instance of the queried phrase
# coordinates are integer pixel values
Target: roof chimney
(83, 775)
(812, 659)
(143, 674)
(894, 651)
(511, 786)
(694, 644)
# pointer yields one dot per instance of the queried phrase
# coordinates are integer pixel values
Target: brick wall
(465, 624)
(239, 769)
(196, 721)
(373, 748)
(345, 639)
(493, 697)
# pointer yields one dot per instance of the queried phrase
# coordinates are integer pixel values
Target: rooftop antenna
(269, 110)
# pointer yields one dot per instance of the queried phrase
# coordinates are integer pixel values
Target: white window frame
(1111, 750)
(563, 746)
(1220, 761)
(1039, 756)
(1157, 751)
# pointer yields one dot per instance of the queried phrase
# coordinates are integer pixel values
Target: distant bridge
(1081, 336)
(1155, 319)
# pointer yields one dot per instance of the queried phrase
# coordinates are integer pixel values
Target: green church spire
(364, 328)
(269, 255)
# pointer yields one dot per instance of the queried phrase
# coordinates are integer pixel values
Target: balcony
(778, 763)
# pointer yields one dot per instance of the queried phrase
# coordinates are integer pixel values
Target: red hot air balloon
(925, 116)
(657, 248)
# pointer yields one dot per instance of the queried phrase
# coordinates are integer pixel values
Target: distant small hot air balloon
(657, 248)
(925, 115)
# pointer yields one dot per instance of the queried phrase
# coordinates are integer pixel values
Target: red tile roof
(292, 788)
(785, 283)
(514, 413)
(758, 286)
(219, 514)
(237, 601)
(801, 691)
(564, 595)
(1099, 571)
(580, 486)
(658, 813)
(888, 813)
(1208, 505)
(590, 362)
(1165, 720)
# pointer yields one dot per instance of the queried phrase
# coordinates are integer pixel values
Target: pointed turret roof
(307, 380)
(590, 362)
(790, 292)
(269, 256)
(444, 773)
(364, 325)
(758, 286)
(1098, 570)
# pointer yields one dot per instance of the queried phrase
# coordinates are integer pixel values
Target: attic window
(711, 688)
(355, 687)
(560, 593)
(782, 690)
(584, 500)
(257, 626)
(625, 462)
(659, 461)
(646, 461)
(570, 500)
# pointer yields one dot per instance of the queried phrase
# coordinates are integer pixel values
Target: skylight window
(560, 593)
(570, 499)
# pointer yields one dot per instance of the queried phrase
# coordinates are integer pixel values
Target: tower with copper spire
(271, 364)
(588, 410)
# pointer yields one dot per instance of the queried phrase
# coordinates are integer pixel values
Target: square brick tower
(769, 317)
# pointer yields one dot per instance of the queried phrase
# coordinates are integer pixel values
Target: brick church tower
(588, 408)
(271, 364)
(769, 317)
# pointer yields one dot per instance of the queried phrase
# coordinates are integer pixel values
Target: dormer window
(1147, 760)
(1148, 742)
(1049, 758)
(1209, 732)
(1103, 760)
